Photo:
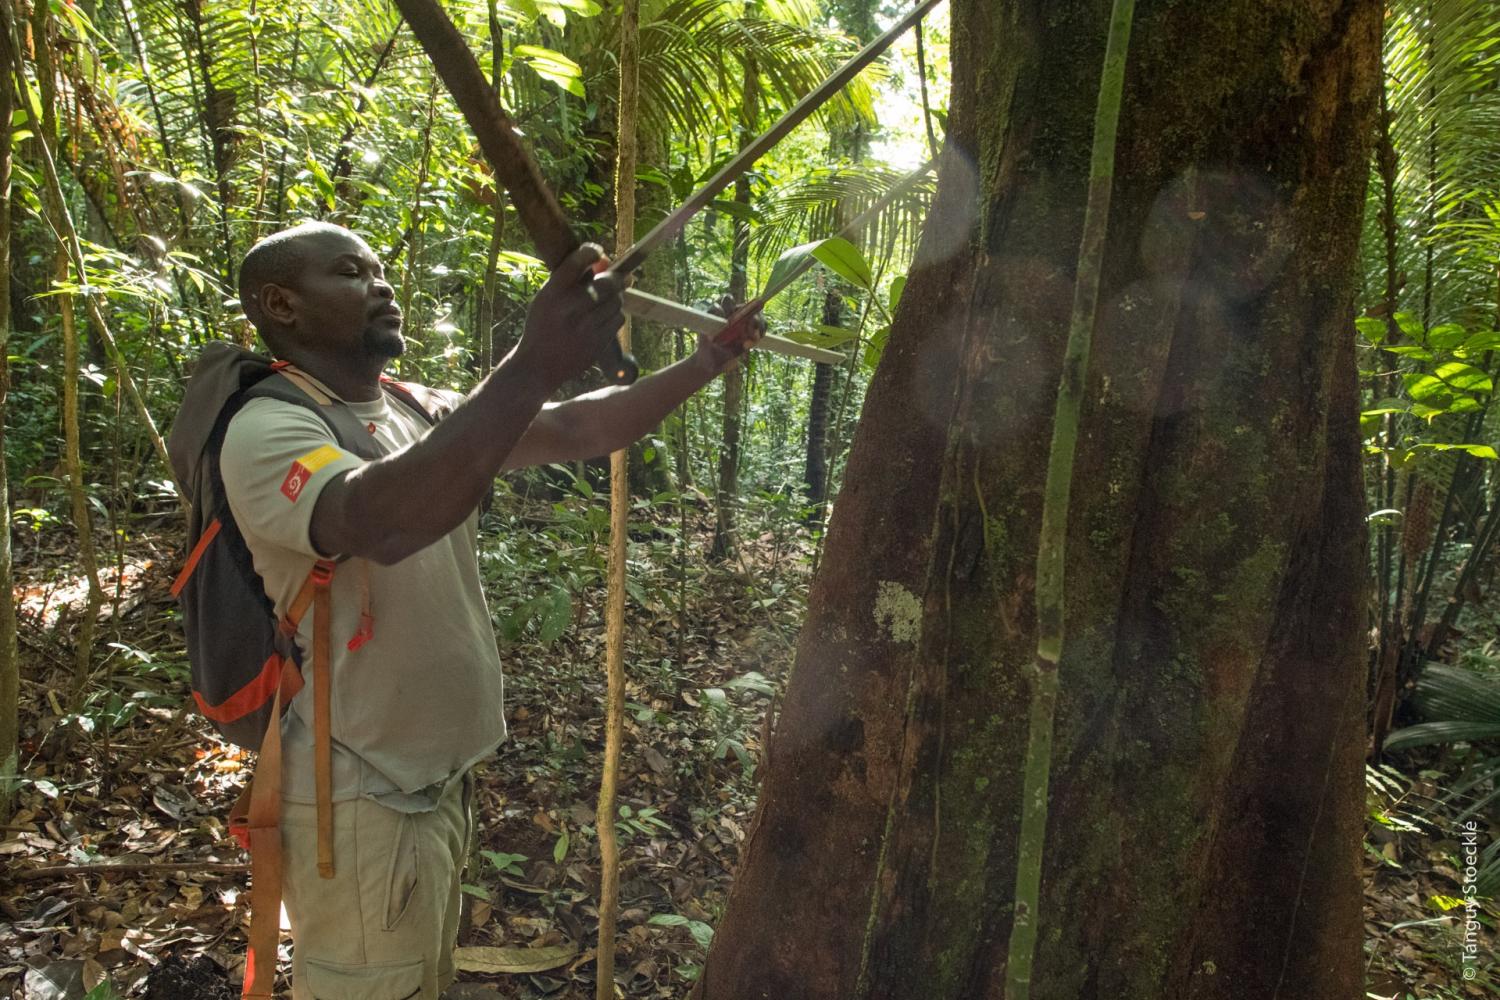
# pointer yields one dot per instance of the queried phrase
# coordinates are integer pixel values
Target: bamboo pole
(1052, 550)
(619, 530)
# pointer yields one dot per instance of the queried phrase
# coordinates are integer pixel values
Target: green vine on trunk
(1052, 549)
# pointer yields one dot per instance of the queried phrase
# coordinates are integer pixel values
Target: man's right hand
(572, 318)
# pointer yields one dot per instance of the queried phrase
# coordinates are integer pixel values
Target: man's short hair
(279, 259)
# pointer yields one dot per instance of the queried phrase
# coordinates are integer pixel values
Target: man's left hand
(718, 356)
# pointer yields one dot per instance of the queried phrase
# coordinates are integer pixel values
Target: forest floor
(120, 879)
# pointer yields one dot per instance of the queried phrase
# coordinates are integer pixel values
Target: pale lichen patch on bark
(898, 612)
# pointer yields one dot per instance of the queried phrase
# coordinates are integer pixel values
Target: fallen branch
(133, 868)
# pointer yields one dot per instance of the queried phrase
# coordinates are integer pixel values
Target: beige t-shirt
(422, 700)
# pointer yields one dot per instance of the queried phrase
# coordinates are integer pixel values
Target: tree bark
(1206, 806)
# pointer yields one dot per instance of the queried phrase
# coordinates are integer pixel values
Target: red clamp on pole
(736, 334)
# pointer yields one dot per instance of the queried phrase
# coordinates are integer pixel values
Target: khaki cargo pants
(383, 928)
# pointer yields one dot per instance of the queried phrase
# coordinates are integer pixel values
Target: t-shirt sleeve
(276, 460)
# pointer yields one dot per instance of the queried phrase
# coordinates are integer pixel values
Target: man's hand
(572, 318)
(719, 357)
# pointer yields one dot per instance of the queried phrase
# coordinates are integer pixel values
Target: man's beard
(385, 342)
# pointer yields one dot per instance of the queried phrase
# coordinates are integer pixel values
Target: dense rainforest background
(1280, 557)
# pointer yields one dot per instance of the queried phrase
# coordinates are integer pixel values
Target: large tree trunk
(1206, 794)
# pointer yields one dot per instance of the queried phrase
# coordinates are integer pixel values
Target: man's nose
(383, 289)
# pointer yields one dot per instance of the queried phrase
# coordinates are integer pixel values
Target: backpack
(236, 647)
(245, 664)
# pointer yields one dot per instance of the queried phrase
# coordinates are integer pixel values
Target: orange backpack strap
(322, 718)
(256, 816)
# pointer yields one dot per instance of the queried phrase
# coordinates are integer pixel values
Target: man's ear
(278, 304)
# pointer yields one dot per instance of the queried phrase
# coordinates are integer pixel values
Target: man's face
(343, 297)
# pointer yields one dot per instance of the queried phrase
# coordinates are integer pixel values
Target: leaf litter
(120, 879)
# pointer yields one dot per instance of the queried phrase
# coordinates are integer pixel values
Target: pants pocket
(393, 981)
(401, 882)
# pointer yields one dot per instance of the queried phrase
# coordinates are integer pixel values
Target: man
(417, 690)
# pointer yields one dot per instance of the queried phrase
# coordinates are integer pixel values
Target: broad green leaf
(1373, 329)
(1411, 326)
(702, 933)
(556, 11)
(560, 849)
(668, 920)
(827, 337)
(1384, 406)
(1428, 389)
(552, 65)
(844, 259)
(1477, 450)
(1446, 337)
(1487, 340)
(1465, 378)
(789, 262)
(1409, 351)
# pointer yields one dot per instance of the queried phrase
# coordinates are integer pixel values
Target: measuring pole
(758, 147)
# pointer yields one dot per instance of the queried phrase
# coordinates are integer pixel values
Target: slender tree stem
(10, 673)
(619, 530)
(1052, 550)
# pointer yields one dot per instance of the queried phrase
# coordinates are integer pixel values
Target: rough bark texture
(1206, 803)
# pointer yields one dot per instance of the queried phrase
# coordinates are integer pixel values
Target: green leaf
(557, 612)
(1384, 406)
(827, 337)
(1465, 378)
(752, 681)
(1487, 340)
(1411, 326)
(1409, 351)
(508, 863)
(898, 288)
(702, 933)
(1477, 450)
(1446, 337)
(557, 11)
(1427, 389)
(668, 920)
(1374, 330)
(844, 259)
(1452, 731)
(560, 849)
(552, 65)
